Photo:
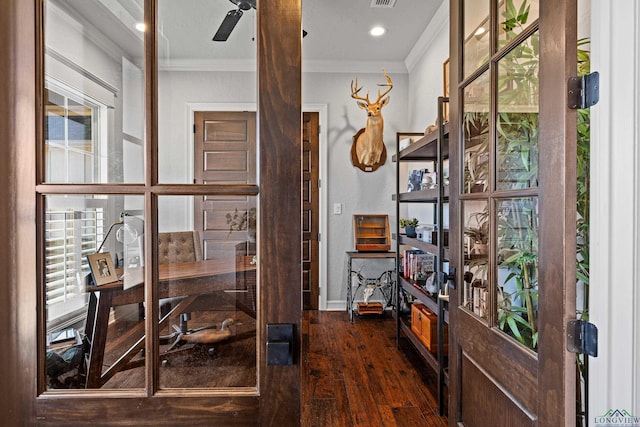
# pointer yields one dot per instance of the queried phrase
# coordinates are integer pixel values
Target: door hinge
(194, 128)
(582, 337)
(583, 91)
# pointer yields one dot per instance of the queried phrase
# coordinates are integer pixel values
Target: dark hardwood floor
(353, 375)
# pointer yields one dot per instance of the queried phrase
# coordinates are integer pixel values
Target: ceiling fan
(232, 18)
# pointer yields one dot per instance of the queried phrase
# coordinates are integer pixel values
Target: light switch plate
(337, 208)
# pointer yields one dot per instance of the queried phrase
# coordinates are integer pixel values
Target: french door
(513, 213)
(108, 188)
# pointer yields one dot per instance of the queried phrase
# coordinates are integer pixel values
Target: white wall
(426, 84)
(615, 209)
(357, 191)
(425, 65)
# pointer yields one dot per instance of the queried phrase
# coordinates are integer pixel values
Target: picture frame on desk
(102, 269)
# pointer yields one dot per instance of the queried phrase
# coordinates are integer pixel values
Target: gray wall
(357, 191)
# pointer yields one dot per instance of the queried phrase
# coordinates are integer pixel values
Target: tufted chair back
(179, 246)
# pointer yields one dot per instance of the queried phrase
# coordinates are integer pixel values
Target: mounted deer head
(368, 151)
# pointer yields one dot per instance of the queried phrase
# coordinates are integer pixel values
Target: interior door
(131, 172)
(225, 153)
(310, 210)
(513, 213)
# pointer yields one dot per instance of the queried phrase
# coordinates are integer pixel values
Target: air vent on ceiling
(383, 3)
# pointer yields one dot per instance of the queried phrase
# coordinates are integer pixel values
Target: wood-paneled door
(513, 213)
(224, 153)
(310, 209)
(106, 183)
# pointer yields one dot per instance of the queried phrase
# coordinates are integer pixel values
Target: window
(72, 144)
(71, 136)
(70, 235)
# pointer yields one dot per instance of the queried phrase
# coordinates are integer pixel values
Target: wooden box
(424, 324)
(371, 233)
(370, 308)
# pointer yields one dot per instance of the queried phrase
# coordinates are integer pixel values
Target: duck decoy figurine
(210, 336)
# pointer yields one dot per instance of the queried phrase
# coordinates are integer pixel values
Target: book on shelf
(417, 261)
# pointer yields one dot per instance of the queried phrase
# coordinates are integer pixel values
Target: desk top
(354, 254)
(180, 271)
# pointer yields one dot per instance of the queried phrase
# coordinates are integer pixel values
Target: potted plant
(409, 226)
(479, 234)
(243, 220)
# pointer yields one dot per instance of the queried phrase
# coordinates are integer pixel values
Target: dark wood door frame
(310, 210)
(546, 381)
(279, 112)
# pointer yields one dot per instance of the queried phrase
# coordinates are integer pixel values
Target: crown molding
(311, 66)
(438, 24)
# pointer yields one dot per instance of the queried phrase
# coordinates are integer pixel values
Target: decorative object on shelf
(428, 180)
(424, 323)
(102, 268)
(371, 232)
(368, 152)
(445, 90)
(479, 234)
(245, 220)
(405, 143)
(409, 226)
(367, 293)
(414, 180)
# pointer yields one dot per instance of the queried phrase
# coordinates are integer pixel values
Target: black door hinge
(582, 337)
(583, 91)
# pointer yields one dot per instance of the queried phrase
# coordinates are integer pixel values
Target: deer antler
(355, 90)
(388, 84)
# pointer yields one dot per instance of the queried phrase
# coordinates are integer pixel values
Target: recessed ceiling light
(377, 31)
(140, 26)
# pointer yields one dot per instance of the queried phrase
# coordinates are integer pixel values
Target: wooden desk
(188, 280)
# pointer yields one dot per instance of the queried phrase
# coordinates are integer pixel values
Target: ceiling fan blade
(244, 4)
(228, 24)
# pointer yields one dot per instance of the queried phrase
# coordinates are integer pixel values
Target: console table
(368, 256)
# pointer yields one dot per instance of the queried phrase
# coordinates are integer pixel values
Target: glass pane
(93, 252)
(476, 135)
(515, 16)
(219, 150)
(517, 122)
(56, 156)
(476, 35)
(207, 292)
(93, 96)
(476, 257)
(517, 286)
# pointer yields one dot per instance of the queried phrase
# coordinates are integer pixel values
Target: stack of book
(417, 261)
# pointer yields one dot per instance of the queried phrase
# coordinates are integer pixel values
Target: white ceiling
(337, 30)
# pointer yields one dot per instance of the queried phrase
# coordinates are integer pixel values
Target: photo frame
(102, 268)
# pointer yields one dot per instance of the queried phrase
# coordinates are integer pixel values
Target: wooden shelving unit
(432, 149)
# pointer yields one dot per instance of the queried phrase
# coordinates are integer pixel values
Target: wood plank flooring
(353, 375)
